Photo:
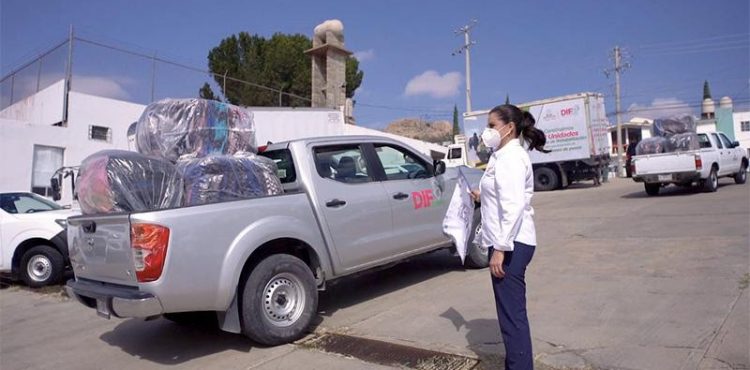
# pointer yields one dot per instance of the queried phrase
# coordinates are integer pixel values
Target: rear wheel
(652, 189)
(741, 177)
(712, 182)
(545, 179)
(42, 265)
(279, 300)
(476, 255)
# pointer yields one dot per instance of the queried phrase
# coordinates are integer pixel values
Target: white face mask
(491, 138)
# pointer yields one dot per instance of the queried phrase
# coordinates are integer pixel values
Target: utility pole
(465, 48)
(619, 68)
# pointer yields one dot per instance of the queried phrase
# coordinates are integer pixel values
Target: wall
(43, 108)
(17, 138)
(742, 137)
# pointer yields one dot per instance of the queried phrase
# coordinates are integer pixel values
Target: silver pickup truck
(349, 204)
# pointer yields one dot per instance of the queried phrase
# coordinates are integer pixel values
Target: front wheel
(741, 177)
(476, 255)
(279, 300)
(42, 265)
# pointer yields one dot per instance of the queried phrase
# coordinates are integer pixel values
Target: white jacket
(506, 190)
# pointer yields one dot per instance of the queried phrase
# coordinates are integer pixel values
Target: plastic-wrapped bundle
(193, 128)
(653, 145)
(122, 181)
(671, 126)
(686, 141)
(221, 178)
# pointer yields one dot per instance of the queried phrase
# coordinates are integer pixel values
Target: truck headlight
(62, 222)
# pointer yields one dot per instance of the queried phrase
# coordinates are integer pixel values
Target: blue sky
(527, 49)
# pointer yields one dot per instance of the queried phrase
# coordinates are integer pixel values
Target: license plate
(102, 309)
(665, 177)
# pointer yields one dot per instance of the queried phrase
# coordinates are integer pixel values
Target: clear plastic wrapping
(123, 181)
(671, 126)
(194, 128)
(683, 142)
(653, 145)
(221, 178)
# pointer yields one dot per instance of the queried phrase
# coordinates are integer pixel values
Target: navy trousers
(510, 300)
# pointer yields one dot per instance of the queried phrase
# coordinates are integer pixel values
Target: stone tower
(329, 65)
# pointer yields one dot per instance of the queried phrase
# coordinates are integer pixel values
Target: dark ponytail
(525, 122)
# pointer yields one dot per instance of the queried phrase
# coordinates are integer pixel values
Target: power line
(701, 50)
(692, 41)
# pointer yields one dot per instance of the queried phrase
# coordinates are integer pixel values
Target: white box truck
(576, 127)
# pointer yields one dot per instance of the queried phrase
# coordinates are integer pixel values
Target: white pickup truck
(717, 157)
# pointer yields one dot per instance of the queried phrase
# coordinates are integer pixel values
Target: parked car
(33, 238)
(717, 157)
(259, 263)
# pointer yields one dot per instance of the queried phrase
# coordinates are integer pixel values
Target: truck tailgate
(652, 164)
(100, 248)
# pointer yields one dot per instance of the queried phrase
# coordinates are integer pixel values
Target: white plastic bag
(458, 220)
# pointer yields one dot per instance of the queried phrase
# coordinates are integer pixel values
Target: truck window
(727, 143)
(342, 163)
(718, 141)
(454, 153)
(704, 141)
(26, 203)
(283, 159)
(400, 164)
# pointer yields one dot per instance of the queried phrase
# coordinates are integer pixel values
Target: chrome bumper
(114, 300)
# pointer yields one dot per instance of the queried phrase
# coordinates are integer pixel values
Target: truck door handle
(89, 227)
(400, 196)
(335, 203)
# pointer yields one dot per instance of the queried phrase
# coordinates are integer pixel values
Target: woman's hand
(474, 195)
(496, 264)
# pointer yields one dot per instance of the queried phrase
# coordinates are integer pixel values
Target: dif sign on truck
(576, 127)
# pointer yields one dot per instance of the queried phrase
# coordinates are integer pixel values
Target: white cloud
(660, 108)
(365, 55)
(433, 84)
(108, 87)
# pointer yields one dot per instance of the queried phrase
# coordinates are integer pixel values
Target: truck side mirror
(439, 168)
(736, 144)
(55, 185)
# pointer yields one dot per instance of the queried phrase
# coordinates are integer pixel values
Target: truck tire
(279, 300)
(741, 177)
(477, 257)
(545, 179)
(652, 189)
(712, 182)
(41, 265)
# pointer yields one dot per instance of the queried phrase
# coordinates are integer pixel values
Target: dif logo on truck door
(425, 199)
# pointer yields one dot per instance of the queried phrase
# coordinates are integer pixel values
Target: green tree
(706, 91)
(277, 62)
(206, 92)
(507, 99)
(456, 126)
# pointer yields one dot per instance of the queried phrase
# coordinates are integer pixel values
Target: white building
(34, 143)
(742, 128)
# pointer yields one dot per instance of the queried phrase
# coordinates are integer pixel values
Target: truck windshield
(283, 159)
(26, 203)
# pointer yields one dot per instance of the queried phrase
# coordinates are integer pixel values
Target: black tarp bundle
(670, 135)
(191, 151)
(122, 181)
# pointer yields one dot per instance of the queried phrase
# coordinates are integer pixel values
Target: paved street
(619, 281)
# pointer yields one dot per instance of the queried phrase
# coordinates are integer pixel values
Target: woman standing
(507, 223)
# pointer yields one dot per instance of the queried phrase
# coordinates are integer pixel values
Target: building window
(100, 133)
(47, 160)
(745, 126)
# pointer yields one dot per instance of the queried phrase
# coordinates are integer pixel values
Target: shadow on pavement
(167, 343)
(483, 337)
(350, 291)
(671, 191)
